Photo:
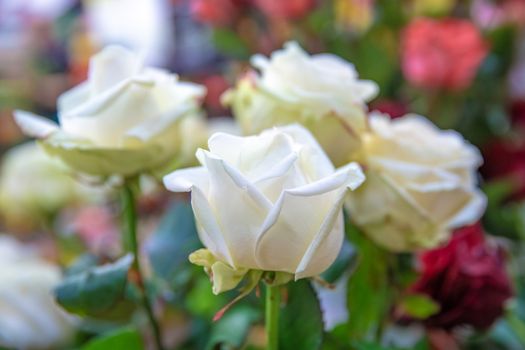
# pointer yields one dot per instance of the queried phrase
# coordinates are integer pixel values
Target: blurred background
(460, 63)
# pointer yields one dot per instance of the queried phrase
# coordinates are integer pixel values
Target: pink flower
(491, 14)
(96, 226)
(285, 9)
(442, 54)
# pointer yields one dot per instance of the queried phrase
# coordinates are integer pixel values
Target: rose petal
(230, 189)
(184, 180)
(111, 66)
(320, 253)
(471, 212)
(34, 125)
(254, 155)
(208, 228)
(312, 203)
(84, 157)
(313, 153)
(148, 130)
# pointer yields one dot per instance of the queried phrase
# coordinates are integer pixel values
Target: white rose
(29, 316)
(321, 92)
(421, 184)
(271, 202)
(34, 186)
(125, 119)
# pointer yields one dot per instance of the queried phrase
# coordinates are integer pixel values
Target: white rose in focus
(322, 92)
(125, 119)
(29, 316)
(271, 202)
(35, 186)
(421, 184)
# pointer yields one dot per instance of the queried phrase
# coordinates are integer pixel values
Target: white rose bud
(322, 92)
(271, 202)
(421, 184)
(125, 119)
(29, 316)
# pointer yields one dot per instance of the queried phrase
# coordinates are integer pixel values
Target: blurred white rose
(421, 184)
(124, 120)
(269, 202)
(322, 92)
(29, 317)
(145, 27)
(34, 186)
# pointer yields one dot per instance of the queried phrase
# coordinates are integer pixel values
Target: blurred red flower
(215, 86)
(393, 108)
(505, 160)
(442, 54)
(289, 9)
(517, 113)
(217, 12)
(467, 278)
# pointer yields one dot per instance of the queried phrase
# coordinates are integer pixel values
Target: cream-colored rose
(29, 316)
(270, 202)
(421, 184)
(125, 119)
(322, 92)
(34, 186)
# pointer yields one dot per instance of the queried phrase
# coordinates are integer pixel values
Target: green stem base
(130, 221)
(273, 301)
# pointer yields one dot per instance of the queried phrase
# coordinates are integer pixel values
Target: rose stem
(273, 300)
(130, 221)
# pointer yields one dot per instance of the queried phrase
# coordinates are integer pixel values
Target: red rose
(517, 113)
(394, 109)
(505, 159)
(442, 54)
(285, 9)
(217, 12)
(467, 278)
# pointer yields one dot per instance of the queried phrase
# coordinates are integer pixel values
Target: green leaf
(419, 306)
(372, 346)
(232, 329)
(503, 218)
(122, 339)
(230, 43)
(361, 345)
(368, 288)
(98, 291)
(174, 240)
(83, 263)
(301, 320)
